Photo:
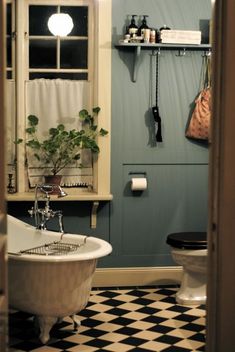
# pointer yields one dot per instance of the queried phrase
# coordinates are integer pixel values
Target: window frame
(101, 95)
(12, 36)
(58, 40)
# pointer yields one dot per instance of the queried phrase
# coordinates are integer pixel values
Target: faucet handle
(59, 212)
(31, 212)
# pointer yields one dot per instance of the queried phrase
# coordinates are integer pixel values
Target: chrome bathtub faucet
(43, 215)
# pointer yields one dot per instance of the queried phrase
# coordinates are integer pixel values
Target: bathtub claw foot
(76, 322)
(45, 324)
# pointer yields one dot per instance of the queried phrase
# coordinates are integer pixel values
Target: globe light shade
(60, 24)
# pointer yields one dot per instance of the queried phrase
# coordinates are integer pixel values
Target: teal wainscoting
(177, 169)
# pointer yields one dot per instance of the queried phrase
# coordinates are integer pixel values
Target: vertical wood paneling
(176, 198)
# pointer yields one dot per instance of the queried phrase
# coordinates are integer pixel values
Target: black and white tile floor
(131, 319)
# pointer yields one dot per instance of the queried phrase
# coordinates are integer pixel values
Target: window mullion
(21, 77)
(13, 41)
(58, 53)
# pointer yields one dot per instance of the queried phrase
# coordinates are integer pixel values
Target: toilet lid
(188, 240)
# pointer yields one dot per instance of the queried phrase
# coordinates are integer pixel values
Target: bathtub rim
(103, 249)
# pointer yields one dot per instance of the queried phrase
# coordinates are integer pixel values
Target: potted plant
(62, 146)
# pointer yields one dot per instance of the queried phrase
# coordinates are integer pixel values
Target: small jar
(127, 38)
(152, 36)
(146, 35)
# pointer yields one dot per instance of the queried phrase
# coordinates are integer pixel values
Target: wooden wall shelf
(138, 47)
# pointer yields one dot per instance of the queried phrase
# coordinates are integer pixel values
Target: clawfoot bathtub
(50, 286)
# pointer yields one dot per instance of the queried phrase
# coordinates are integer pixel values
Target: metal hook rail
(156, 48)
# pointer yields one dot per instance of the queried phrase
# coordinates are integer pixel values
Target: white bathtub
(50, 287)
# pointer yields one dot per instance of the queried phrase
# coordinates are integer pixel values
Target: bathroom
(137, 223)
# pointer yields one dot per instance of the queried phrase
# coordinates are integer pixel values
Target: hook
(207, 53)
(156, 52)
(181, 53)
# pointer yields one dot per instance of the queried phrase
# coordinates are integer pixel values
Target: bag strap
(207, 72)
(205, 80)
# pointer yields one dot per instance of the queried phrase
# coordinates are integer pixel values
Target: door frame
(3, 239)
(221, 221)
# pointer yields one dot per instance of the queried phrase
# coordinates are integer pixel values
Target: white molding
(21, 29)
(102, 91)
(137, 276)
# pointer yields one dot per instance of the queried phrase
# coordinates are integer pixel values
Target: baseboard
(143, 276)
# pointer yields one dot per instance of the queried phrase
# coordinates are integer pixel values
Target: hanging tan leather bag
(200, 122)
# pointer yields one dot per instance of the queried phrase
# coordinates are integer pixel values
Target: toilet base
(192, 290)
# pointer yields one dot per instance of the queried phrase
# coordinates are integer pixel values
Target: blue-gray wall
(177, 169)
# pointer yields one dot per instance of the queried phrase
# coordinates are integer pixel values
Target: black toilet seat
(188, 240)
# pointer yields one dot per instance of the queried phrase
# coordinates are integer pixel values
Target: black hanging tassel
(159, 132)
(158, 127)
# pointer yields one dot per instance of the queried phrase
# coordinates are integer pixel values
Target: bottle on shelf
(164, 27)
(143, 26)
(132, 28)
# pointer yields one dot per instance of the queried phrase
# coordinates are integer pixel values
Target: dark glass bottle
(164, 27)
(132, 28)
(143, 26)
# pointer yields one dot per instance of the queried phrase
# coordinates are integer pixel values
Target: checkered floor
(132, 319)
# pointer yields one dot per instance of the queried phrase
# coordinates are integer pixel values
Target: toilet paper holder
(138, 173)
(138, 184)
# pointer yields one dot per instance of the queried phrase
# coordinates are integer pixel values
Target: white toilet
(189, 249)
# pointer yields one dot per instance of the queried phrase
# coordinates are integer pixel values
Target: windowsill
(73, 195)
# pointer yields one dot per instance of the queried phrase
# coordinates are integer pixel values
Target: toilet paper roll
(138, 184)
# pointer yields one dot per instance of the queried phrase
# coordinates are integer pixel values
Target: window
(10, 40)
(10, 93)
(72, 58)
(58, 57)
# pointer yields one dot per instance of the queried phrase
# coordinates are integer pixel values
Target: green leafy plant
(62, 146)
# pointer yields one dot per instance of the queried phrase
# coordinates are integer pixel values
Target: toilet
(189, 249)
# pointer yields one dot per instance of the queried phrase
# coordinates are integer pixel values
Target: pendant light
(60, 24)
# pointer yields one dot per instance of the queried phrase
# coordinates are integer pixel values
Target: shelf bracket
(136, 62)
(95, 205)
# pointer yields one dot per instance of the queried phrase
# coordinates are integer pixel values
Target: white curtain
(53, 102)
